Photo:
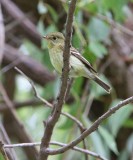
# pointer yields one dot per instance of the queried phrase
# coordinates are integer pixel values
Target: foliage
(91, 36)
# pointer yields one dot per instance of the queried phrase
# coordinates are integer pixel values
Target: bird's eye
(54, 38)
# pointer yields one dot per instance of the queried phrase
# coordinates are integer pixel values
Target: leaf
(128, 150)
(97, 142)
(86, 5)
(116, 7)
(40, 27)
(89, 56)
(109, 139)
(116, 121)
(53, 13)
(98, 49)
(49, 90)
(130, 144)
(42, 9)
(98, 30)
(77, 86)
(65, 123)
(124, 155)
(128, 123)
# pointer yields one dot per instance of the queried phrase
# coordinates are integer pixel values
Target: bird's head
(54, 39)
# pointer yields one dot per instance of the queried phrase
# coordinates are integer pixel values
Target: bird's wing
(75, 53)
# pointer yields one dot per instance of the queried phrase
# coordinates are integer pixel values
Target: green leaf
(128, 123)
(77, 86)
(98, 30)
(98, 49)
(30, 48)
(98, 144)
(128, 150)
(116, 121)
(53, 13)
(49, 89)
(109, 139)
(130, 144)
(40, 27)
(89, 56)
(65, 123)
(42, 9)
(124, 155)
(116, 7)
(86, 5)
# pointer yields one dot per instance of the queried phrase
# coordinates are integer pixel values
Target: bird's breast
(56, 58)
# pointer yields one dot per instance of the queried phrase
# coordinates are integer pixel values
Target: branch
(34, 88)
(92, 128)
(53, 118)
(80, 150)
(17, 104)
(5, 140)
(31, 67)
(58, 144)
(2, 151)
(2, 36)
(25, 23)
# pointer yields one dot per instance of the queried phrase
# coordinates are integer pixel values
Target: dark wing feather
(75, 53)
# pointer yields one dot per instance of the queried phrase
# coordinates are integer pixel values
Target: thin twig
(2, 151)
(80, 125)
(68, 89)
(6, 140)
(34, 88)
(84, 145)
(92, 128)
(9, 66)
(55, 143)
(89, 104)
(81, 150)
(22, 145)
(83, 102)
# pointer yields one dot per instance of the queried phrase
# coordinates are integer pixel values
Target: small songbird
(79, 66)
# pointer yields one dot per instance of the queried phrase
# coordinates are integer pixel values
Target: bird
(79, 66)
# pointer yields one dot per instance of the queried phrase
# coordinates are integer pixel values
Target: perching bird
(79, 66)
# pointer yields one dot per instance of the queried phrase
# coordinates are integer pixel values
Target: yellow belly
(77, 68)
(56, 60)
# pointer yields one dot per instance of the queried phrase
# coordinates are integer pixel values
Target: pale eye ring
(54, 38)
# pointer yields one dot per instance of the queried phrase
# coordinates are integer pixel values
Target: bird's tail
(102, 84)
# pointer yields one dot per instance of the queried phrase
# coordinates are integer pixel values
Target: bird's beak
(46, 37)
